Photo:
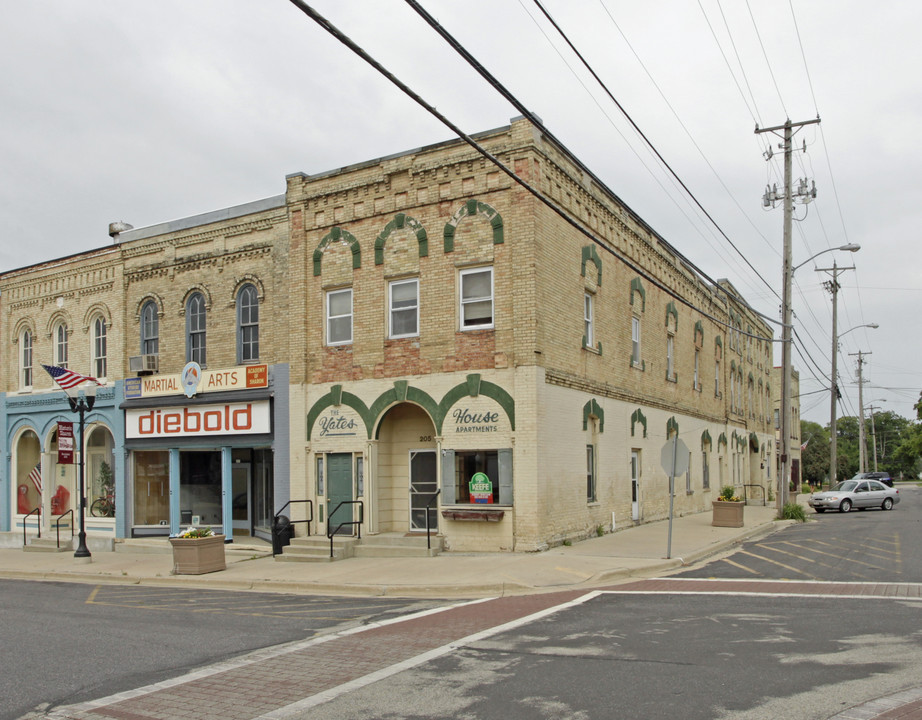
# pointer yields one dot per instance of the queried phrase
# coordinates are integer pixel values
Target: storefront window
(100, 473)
(200, 488)
(468, 462)
(28, 473)
(151, 487)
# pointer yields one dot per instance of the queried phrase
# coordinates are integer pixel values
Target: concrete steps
(49, 545)
(317, 547)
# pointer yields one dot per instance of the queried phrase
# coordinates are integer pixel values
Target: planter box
(197, 556)
(727, 514)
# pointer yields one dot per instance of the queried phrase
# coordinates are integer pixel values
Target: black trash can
(282, 532)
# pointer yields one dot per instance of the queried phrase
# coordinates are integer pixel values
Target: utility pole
(833, 287)
(784, 476)
(872, 408)
(862, 449)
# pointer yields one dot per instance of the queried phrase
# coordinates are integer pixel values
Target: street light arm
(873, 326)
(850, 247)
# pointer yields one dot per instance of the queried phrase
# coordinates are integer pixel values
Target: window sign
(481, 489)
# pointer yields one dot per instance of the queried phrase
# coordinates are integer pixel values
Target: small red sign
(257, 376)
(65, 443)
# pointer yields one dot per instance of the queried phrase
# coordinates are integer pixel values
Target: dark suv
(879, 476)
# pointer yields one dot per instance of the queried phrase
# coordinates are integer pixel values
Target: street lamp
(834, 390)
(786, 331)
(82, 404)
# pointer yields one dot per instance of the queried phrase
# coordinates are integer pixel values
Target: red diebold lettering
(247, 418)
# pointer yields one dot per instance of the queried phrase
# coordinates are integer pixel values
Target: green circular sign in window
(481, 488)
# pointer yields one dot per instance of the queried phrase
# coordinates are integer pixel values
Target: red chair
(59, 501)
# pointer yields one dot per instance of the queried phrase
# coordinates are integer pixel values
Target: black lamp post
(82, 404)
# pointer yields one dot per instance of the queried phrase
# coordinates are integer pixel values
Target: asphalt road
(65, 643)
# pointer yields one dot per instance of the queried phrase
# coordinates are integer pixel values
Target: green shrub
(794, 511)
(728, 493)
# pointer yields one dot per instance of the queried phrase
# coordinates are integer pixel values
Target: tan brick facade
(514, 374)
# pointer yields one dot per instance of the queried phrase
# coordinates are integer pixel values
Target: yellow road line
(741, 567)
(775, 562)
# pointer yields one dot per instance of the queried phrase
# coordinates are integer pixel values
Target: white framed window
(339, 317)
(25, 359)
(403, 298)
(196, 349)
(60, 345)
(476, 298)
(150, 329)
(248, 324)
(635, 340)
(705, 470)
(670, 357)
(587, 320)
(696, 382)
(717, 377)
(100, 347)
(590, 473)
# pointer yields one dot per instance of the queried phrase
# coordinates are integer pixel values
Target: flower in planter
(194, 532)
(728, 494)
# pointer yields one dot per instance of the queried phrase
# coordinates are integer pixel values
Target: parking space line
(741, 567)
(775, 562)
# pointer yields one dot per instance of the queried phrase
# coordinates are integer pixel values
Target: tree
(814, 459)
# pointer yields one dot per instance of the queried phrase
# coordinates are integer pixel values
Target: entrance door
(242, 499)
(423, 486)
(339, 489)
(635, 485)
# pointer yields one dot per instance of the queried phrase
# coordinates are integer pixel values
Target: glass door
(423, 486)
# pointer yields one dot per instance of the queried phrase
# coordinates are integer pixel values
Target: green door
(339, 489)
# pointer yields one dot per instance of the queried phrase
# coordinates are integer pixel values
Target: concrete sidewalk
(639, 551)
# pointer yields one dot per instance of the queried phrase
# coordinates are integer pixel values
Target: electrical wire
(355, 48)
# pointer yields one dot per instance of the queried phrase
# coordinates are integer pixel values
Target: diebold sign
(244, 377)
(65, 443)
(239, 418)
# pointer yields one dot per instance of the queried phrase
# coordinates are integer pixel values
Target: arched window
(99, 347)
(247, 324)
(195, 329)
(25, 359)
(150, 329)
(60, 345)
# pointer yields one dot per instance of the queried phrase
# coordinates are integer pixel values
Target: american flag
(66, 379)
(36, 477)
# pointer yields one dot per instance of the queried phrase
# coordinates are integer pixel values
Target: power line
(355, 48)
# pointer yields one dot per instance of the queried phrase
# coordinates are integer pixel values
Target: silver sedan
(858, 494)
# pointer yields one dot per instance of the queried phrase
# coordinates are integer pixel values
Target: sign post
(674, 459)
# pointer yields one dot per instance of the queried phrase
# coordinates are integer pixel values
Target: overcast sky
(151, 111)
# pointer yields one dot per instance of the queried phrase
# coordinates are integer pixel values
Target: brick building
(425, 324)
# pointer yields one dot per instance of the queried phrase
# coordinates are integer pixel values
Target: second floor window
(195, 329)
(60, 345)
(587, 320)
(635, 340)
(670, 357)
(247, 324)
(99, 347)
(150, 329)
(339, 317)
(477, 298)
(404, 308)
(25, 359)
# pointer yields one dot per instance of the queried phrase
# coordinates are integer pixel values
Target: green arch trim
(472, 387)
(335, 235)
(733, 367)
(335, 397)
(718, 343)
(400, 221)
(753, 442)
(722, 440)
(638, 416)
(400, 393)
(637, 286)
(593, 408)
(699, 331)
(472, 207)
(705, 439)
(672, 425)
(591, 255)
(752, 380)
(671, 310)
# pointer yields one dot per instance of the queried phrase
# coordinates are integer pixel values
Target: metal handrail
(310, 516)
(339, 527)
(428, 508)
(755, 485)
(38, 517)
(57, 524)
